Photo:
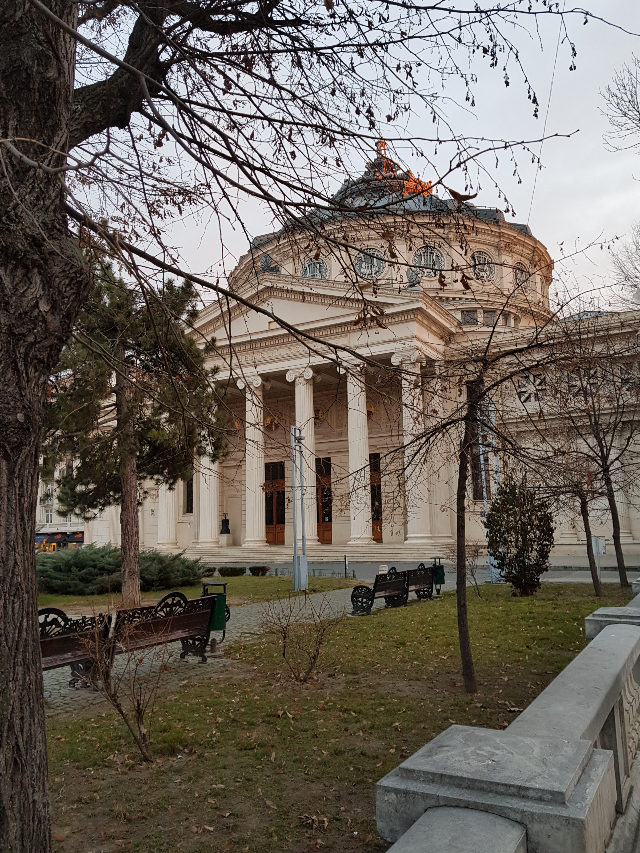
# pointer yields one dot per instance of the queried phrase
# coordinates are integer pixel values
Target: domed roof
(384, 183)
(386, 188)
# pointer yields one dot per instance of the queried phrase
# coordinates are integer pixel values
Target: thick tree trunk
(129, 520)
(24, 806)
(615, 520)
(43, 282)
(584, 512)
(466, 658)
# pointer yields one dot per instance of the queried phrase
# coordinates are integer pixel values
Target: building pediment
(296, 303)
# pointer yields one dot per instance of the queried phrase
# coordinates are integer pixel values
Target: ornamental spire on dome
(385, 169)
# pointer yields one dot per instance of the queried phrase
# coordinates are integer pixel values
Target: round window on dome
(522, 276)
(428, 261)
(370, 263)
(483, 266)
(315, 269)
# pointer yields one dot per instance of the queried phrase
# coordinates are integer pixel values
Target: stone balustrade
(557, 778)
(604, 616)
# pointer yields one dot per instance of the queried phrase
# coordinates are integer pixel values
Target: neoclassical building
(398, 283)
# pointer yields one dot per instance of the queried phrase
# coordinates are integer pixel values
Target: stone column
(416, 481)
(167, 529)
(255, 533)
(359, 473)
(208, 495)
(305, 421)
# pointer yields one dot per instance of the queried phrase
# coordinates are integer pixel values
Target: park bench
(67, 640)
(394, 587)
(78, 641)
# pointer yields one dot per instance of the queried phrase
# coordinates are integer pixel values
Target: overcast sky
(584, 192)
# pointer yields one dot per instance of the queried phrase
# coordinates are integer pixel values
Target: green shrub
(94, 570)
(167, 571)
(232, 571)
(259, 571)
(79, 571)
(520, 536)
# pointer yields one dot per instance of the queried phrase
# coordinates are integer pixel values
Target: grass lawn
(241, 590)
(251, 762)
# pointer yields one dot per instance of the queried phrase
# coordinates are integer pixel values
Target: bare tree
(116, 118)
(586, 420)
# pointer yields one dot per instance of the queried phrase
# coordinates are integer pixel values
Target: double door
(274, 502)
(376, 496)
(324, 500)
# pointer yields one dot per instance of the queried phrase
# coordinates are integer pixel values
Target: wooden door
(324, 501)
(376, 496)
(274, 502)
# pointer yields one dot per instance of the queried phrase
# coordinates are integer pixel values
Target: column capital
(249, 379)
(410, 354)
(302, 374)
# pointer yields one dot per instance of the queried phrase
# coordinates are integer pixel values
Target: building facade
(397, 287)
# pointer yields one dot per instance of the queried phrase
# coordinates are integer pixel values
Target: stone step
(451, 830)
(278, 554)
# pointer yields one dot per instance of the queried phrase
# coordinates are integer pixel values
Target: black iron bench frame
(394, 587)
(77, 641)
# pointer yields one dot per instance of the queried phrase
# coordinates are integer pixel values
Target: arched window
(267, 264)
(370, 263)
(483, 267)
(428, 262)
(522, 277)
(315, 269)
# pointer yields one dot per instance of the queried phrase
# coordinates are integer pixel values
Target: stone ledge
(497, 762)
(604, 616)
(448, 830)
(581, 825)
(578, 701)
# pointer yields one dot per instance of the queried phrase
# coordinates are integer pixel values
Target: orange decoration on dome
(410, 185)
(414, 186)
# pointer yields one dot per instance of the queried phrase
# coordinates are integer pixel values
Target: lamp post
(300, 563)
(494, 575)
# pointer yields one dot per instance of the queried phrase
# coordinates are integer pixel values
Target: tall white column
(305, 421)
(416, 480)
(359, 473)
(255, 533)
(167, 528)
(208, 495)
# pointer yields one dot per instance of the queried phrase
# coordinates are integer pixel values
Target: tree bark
(464, 640)
(584, 511)
(43, 282)
(129, 520)
(615, 521)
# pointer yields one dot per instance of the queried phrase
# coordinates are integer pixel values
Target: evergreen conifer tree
(520, 536)
(131, 402)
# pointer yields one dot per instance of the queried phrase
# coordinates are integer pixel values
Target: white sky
(584, 193)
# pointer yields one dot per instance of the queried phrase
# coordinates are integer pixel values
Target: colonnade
(207, 475)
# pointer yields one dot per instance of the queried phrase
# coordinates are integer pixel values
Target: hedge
(92, 570)
(232, 571)
(259, 571)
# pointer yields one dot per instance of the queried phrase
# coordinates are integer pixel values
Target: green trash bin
(219, 615)
(438, 574)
